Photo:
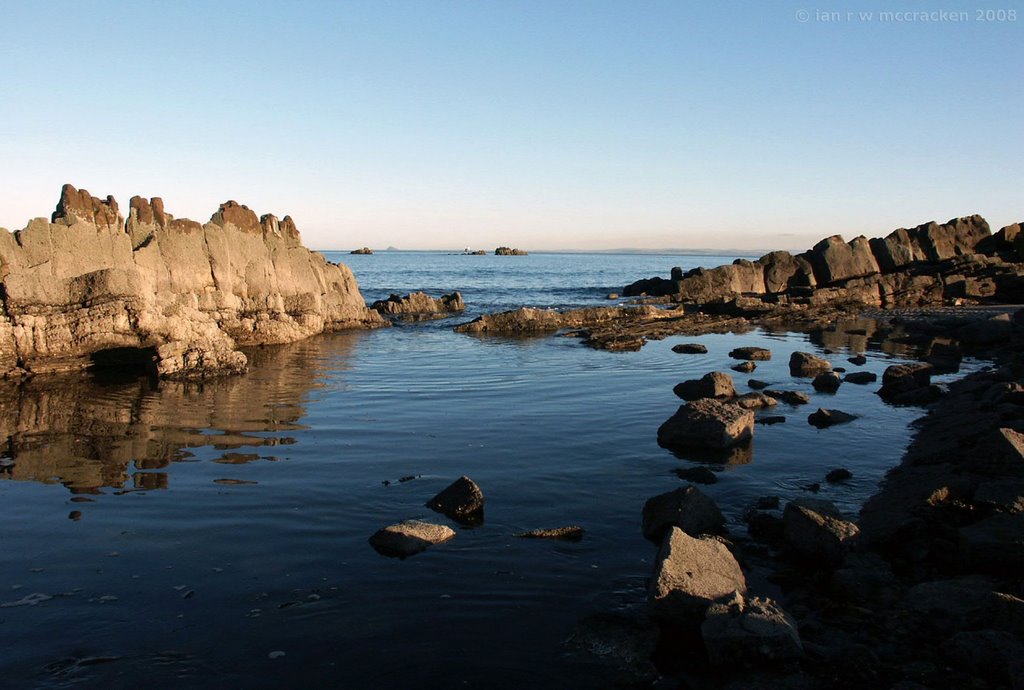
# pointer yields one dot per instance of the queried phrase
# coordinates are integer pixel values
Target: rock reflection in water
(87, 435)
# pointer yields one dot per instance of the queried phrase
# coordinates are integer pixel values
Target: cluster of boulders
(418, 306)
(927, 265)
(924, 590)
(509, 251)
(462, 501)
(88, 286)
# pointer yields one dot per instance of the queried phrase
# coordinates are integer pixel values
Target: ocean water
(215, 535)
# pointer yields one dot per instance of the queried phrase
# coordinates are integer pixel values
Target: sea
(216, 535)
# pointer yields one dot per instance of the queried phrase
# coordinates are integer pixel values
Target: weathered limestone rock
(410, 537)
(687, 508)
(461, 500)
(418, 305)
(689, 574)
(716, 384)
(817, 535)
(807, 365)
(187, 295)
(741, 630)
(706, 423)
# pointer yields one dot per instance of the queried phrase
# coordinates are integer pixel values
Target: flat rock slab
(706, 423)
(740, 630)
(409, 537)
(759, 354)
(689, 349)
(687, 508)
(807, 365)
(567, 533)
(861, 377)
(689, 574)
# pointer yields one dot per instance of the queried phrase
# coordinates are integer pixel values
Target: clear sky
(542, 125)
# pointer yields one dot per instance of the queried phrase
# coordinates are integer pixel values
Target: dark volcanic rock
(861, 377)
(807, 365)
(716, 384)
(409, 537)
(689, 574)
(686, 508)
(827, 382)
(690, 349)
(706, 423)
(461, 500)
(751, 353)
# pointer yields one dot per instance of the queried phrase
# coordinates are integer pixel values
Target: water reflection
(86, 434)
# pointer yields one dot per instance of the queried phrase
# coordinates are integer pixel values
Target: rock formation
(509, 251)
(88, 287)
(418, 306)
(925, 265)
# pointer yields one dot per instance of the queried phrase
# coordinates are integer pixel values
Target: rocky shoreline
(88, 288)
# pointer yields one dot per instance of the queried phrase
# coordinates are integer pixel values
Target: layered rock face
(920, 266)
(89, 287)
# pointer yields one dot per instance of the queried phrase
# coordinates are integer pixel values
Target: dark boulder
(861, 377)
(687, 508)
(706, 423)
(826, 418)
(827, 382)
(751, 353)
(690, 349)
(807, 365)
(716, 384)
(462, 500)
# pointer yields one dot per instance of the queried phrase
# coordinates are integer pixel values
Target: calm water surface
(216, 535)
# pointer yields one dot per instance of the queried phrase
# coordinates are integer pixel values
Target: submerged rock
(789, 397)
(462, 500)
(706, 423)
(410, 537)
(690, 349)
(697, 475)
(567, 533)
(689, 574)
(825, 418)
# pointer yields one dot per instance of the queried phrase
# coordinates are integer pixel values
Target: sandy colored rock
(181, 295)
(689, 574)
(410, 537)
(706, 423)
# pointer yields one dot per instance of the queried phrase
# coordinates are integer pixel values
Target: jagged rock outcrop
(419, 305)
(183, 295)
(509, 251)
(926, 265)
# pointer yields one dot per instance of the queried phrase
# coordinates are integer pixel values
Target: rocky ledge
(88, 288)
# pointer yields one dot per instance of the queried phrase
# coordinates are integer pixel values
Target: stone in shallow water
(697, 475)
(751, 353)
(861, 377)
(807, 365)
(409, 537)
(744, 367)
(690, 349)
(706, 423)
(716, 384)
(567, 533)
(462, 500)
(789, 397)
(828, 382)
(826, 418)
(686, 508)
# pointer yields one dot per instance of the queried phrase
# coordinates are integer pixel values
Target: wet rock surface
(706, 423)
(462, 500)
(419, 305)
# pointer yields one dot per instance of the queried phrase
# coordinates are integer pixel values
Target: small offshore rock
(689, 574)
(759, 354)
(706, 423)
(567, 533)
(409, 537)
(690, 349)
(770, 419)
(755, 401)
(697, 475)
(826, 382)
(826, 418)
(757, 385)
(789, 397)
(362, 250)
(461, 500)
(687, 508)
(744, 367)
(716, 384)
(861, 377)
(807, 365)
(858, 360)
(741, 630)
(840, 474)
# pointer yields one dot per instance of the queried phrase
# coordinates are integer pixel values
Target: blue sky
(543, 125)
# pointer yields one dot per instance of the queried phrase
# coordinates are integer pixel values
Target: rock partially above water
(462, 500)
(807, 365)
(168, 292)
(825, 418)
(687, 508)
(419, 305)
(759, 354)
(410, 537)
(706, 423)
(690, 349)
(716, 384)
(689, 574)
(508, 251)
